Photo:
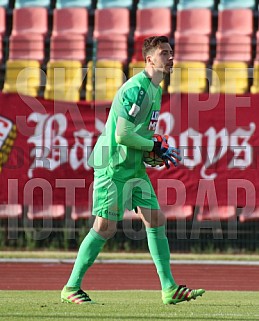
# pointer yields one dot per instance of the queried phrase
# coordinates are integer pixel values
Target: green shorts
(111, 197)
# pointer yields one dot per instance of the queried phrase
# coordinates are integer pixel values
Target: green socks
(93, 244)
(159, 250)
(88, 251)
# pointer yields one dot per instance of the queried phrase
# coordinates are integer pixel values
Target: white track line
(129, 261)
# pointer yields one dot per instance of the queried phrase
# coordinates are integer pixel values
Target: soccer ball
(151, 159)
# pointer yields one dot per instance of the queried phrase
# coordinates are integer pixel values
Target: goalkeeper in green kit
(120, 178)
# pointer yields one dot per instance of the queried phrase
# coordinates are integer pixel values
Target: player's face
(162, 58)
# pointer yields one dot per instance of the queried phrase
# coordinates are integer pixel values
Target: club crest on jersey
(153, 120)
(134, 110)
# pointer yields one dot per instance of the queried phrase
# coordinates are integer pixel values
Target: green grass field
(128, 305)
(47, 254)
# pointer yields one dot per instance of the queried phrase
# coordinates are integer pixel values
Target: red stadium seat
(150, 22)
(1, 49)
(10, 210)
(27, 40)
(177, 212)
(80, 212)
(68, 47)
(30, 20)
(27, 47)
(211, 213)
(234, 35)
(70, 21)
(2, 21)
(2, 30)
(257, 47)
(49, 212)
(192, 35)
(112, 47)
(68, 40)
(156, 21)
(111, 21)
(249, 214)
(111, 30)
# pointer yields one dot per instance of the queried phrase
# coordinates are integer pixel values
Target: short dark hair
(152, 43)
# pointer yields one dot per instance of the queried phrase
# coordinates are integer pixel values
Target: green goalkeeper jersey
(139, 102)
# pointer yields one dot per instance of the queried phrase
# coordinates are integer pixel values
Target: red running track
(107, 276)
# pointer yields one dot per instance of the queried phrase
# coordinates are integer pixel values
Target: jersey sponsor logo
(109, 213)
(134, 110)
(155, 115)
(153, 120)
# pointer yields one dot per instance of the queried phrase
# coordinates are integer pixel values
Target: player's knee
(152, 218)
(157, 219)
(110, 232)
(105, 228)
